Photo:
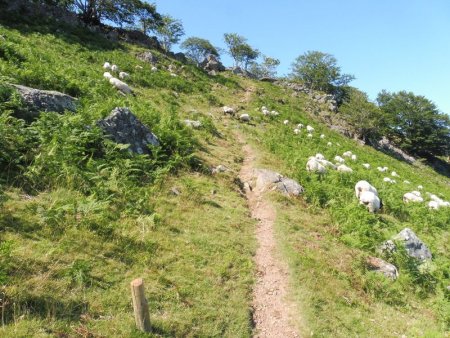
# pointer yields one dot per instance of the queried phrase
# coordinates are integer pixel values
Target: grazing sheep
(353, 157)
(366, 165)
(439, 201)
(433, 205)
(339, 159)
(296, 131)
(410, 197)
(244, 118)
(263, 108)
(420, 187)
(313, 165)
(285, 122)
(389, 180)
(319, 156)
(228, 110)
(326, 163)
(322, 136)
(300, 126)
(329, 144)
(154, 69)
(417, 193)
(382, 169)
(107, 75)
(123, 75)
(370, 200)
(347, 154)
(114, 68)
(406, 182)
(265, 112)
(362, 186)
(343, 168)
(107, 65)
(173, 75)
(309, 129)
(274, 113)
(309, 135)
(394, 174)
(121, 86)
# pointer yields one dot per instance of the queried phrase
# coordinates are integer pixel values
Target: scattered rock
(147, 56)
(44, 100)
(228, 110)
(244, 118)
(212, 64)
(175, 191)
(413, 245)
(267, 79)
(125, 128)
(219, 169)
(267, 179)
(193, 124)
(385, 145)
(290, 187)
(242, 72)
(381, 266)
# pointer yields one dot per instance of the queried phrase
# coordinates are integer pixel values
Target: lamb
(363, 186)
(347, 154)
(286, 122)
(343, 168)
(123, 75)
(300, 126)
(274, 113)
(107, 75)
(265, 112)
(395, 174)
(244, 118)
(353, 157)
(121, 86)
(366, 165)
(114, 68)
(106, 65)
(313, 165)
(296, 131)
(370, 200)
(309, 128)
(339, 159)
(410, 197)
(319, 156)
(329, 144)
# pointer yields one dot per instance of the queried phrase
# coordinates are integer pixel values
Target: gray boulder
(147, 56)
(44, 100)
(125, 128)
(290, 187)
(413, 245)
(381, 266)
(212, 65)
(268, 179)
(386, 146)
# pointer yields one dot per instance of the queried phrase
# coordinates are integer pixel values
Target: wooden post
(140, 305)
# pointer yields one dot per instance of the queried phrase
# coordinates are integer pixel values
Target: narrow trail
(272, 312)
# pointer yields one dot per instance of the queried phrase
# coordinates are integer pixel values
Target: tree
(415, 124)
(238, 48)
(147, 17)
(364, 116)
(169, 32)
(319, 71)
(265, 69)
(198, 49)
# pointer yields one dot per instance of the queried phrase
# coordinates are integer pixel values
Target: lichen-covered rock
(413, 245)
(212, 64)
(381, 266)
(125, 128)
(290, 187)
(44, 101)
(266, 179)
(147, 56)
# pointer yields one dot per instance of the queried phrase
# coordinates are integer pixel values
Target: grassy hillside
(80, 217)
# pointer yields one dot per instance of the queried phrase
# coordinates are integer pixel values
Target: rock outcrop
(381, 266)
(413, 245)
(212, 64)
(386, 146)
(267, 179)
(147, 56)
(125, 128)
(44, 101)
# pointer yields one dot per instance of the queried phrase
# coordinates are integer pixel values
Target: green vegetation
(238, 48)
(197, 49)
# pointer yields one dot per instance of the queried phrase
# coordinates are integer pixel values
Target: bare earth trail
(272, 312)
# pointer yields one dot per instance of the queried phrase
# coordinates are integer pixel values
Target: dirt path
(272, 313)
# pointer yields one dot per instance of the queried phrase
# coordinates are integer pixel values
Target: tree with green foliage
(198, 49)
(169, 32)
(319, 71)
(238, 48)
(267, 68)
(147, 17)
(415, 124)
(363, 116)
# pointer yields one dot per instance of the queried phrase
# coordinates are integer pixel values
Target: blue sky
(387, 44)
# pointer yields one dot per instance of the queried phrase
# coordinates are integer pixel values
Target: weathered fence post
(140, 305)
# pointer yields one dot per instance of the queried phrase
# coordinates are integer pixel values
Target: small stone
(175, 191)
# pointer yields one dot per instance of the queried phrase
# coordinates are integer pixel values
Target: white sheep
(420, 187)
(123, 75)
(322, 136)
(326, 163)
(309, 136)
(362, 186)
(263, 108)
(114, 68)
(107, 75)
(154, 69)
(410, 197)
(107, 65)
(339, 159)
(433, 205)
(353, 157)
(329, 144)
(173, 75)
(309, 128)
(296, 131)
(300, 126)
(121, 86)
(389, 180)
(244, 118)
(417, 193)
(228, 110)
(370, 200)
(343, 168)
(394, 174)
(313, 165)
(347, 154)
(274, 113)
(366, 165)
(382, 169)
(406, 182)
(319, 156)
(286, 122)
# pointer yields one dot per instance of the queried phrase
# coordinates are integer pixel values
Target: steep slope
(80, 217)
